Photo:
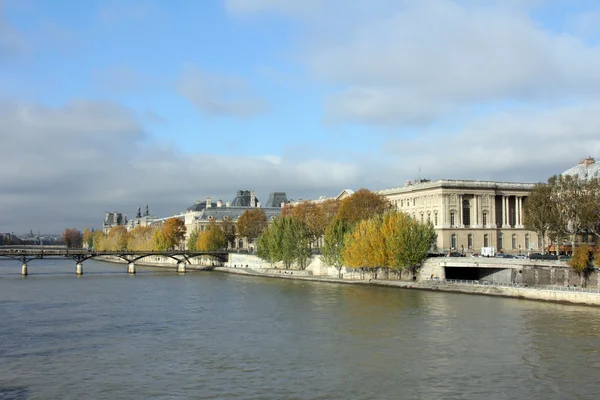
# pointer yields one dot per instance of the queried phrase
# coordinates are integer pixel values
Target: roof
(233, 213)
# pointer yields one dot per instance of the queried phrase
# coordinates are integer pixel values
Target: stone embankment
(316, 271)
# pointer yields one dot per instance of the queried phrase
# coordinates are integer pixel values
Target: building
(199, 215)
(112, 219)
(468, 215)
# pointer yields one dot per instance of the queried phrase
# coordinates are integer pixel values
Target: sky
(109, 105)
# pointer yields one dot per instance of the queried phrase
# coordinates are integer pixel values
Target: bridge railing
(518, 285)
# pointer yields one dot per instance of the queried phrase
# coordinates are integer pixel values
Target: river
(211, 335)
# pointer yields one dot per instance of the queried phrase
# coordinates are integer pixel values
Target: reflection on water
(159, 334)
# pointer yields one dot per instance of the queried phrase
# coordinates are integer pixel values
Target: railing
(518, 285)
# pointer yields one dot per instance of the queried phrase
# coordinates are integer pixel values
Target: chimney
(219, 203)
(227, 203)
(252, 198)
(258, 204)
(208, 202)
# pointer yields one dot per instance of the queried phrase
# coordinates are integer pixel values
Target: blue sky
(109, 105)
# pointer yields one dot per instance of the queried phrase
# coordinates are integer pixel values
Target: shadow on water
(13, 393)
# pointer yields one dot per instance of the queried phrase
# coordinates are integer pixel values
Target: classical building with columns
(468, 215)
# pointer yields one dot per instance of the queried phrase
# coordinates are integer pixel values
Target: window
(453, 241)
(527, 241)
(514, 241)
(401, 203)
(452, 219)
(470, 241)
(414, 201)
(428, 217)
(500, 241)
(486, 240)
(484, 219)
(422, 218)
(435, 220)
(466, 207)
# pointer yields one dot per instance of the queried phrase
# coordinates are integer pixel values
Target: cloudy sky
(107, 105)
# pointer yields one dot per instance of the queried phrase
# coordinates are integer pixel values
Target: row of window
(486, 241)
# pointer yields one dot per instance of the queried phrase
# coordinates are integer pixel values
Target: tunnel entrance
(500, 275)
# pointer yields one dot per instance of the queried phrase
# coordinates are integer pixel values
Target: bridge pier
(24, 269)
(79, 268)
(181, 267)
(131, 268)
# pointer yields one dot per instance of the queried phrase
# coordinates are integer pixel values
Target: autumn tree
(334, 244)
(590, 217)
(159, 241)
(72, 238)
(211, 239)
(140, 238)
(413, 243)
(99, 241)
(228, 228)
(580, 262)
(173, 232)
(251, 224)
(364, 246)
(362, 205)
(88, 239)
(541, 213)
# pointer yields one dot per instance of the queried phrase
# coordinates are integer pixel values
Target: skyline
(111, 105)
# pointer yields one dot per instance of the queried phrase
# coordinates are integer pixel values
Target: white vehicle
(487, 252)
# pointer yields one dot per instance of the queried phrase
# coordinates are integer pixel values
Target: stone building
(468, 215)
(199, 215)
(112, 219)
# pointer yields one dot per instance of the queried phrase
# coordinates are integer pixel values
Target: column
(503, 222)
(131, 268)
(492, 217)
(519, 207)
(477, 211)
(460, 211)
(181, 267)
(79, 269)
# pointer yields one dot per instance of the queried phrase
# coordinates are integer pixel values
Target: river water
(210, 335)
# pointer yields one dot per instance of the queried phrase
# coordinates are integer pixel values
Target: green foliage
(334, 244)
(192, 242)
(286, 239)
(413, 243)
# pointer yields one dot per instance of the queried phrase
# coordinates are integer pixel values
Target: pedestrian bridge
(27, 254)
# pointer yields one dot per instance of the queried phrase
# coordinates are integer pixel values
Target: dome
(244, 198)
(586, 169)
(198, 206)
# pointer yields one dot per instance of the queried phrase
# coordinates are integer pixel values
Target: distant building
(112, 219)
(199, 215)
(468, 215)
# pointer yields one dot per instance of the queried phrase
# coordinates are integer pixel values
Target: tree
(363, 245)
(228, 228)
(117, 238)
(159, 241)
(413, 243)
(251, 224)
(541, 213)
(173, 232)
(192, 242)
(72, 238)
(88, 238)
(334, 244)
(140, 238)
(211, 239)
(268, 245)
(99, 241)
(362, 205)
(590, 218)
(580, 262)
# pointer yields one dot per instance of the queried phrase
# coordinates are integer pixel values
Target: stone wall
(557, 275)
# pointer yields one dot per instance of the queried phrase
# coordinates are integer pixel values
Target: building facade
(468, 215)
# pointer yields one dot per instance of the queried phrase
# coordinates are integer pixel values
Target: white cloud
(219, 95)
(406, 62)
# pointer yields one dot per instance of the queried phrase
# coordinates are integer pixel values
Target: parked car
(455, 254)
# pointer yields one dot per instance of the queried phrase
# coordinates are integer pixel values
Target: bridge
(27, 254)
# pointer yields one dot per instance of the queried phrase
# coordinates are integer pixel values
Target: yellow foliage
(580, 259)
